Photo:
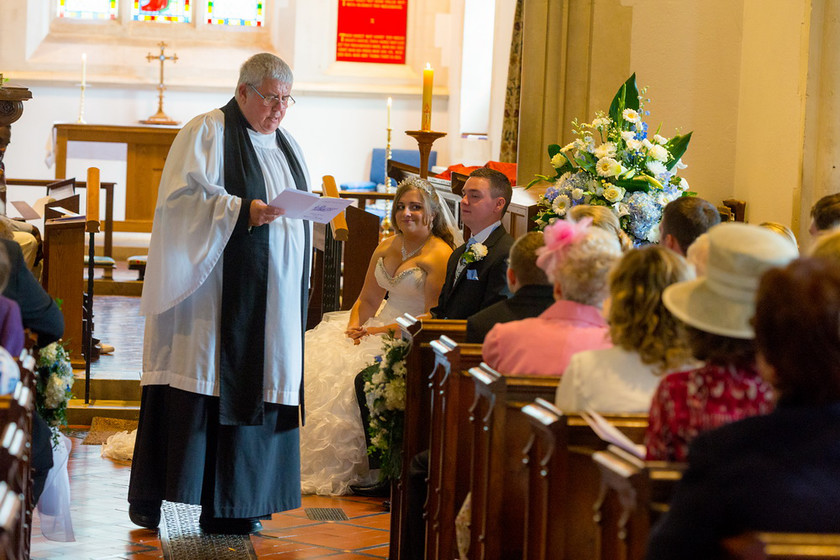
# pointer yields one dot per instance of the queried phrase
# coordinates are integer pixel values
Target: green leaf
(553, 150)
(627, 97)
(677, 146)
(539, 179)
(633, 185)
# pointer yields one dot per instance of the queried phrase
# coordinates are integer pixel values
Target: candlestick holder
(81, 119)
(386, 228)
(425, 139)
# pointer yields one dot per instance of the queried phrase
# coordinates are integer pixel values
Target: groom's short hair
(499, 184)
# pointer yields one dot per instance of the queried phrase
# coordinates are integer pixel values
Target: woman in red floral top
(717, 309)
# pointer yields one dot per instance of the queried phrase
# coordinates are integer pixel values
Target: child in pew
(778, 472)
(577, 259)
(648, 340)
(717, 310)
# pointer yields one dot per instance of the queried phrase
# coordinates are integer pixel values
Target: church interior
(87, 84)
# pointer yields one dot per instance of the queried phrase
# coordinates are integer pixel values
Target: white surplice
(194, 219)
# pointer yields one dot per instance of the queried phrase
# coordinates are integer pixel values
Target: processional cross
(160, 117)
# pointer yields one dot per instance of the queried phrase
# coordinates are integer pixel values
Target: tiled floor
(103, 530)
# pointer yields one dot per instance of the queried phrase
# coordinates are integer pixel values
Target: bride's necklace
(408, 255)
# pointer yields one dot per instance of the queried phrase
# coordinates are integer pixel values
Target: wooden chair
(419, 362)
(452, 393)
(633, 494)
(498, 475)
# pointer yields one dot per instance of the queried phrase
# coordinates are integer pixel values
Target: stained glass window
(248, 13)
(172, 11)
(87, 9)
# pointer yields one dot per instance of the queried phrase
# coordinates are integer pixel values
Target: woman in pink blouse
(577, 259)
(717, 310)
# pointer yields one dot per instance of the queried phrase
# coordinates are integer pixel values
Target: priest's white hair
(264, 66)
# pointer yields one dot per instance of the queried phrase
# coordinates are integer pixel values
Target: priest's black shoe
(229, 526)
(144, 515)
(381, 489)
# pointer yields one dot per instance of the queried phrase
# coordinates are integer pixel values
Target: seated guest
(782, 230)
(648, 340)
(11, 325)
(532, 292)
(684, 220)
(577, 259)
(825, 215)
(717, 309)
(827, 247)
(604, 218)
(777, 472)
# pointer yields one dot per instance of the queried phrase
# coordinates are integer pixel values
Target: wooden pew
(783, 546)
(563, 482)
(633, 494)
(452, 393)
(419, 362)
(498, 475)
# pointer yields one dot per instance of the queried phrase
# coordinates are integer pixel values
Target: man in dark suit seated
(476, 271)
(532, 292)
(684, 220)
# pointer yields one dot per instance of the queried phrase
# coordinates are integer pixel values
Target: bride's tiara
(421, 184)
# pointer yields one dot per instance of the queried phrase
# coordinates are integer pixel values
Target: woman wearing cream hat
(717, 310)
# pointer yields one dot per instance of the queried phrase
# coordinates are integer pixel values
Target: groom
(476, 274)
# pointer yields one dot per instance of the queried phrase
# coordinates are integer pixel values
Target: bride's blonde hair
(432, 209)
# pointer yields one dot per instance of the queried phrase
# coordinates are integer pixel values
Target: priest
(225, 301)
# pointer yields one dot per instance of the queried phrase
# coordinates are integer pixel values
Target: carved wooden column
(11, 108)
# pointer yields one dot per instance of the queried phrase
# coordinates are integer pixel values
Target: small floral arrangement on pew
(614, 163)
(53, 383)
(385, 392)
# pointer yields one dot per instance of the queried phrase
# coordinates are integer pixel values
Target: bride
(410, 268)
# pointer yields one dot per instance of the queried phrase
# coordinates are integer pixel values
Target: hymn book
(610, 434)
(309, 206)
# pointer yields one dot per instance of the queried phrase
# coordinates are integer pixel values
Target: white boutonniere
(475, 253)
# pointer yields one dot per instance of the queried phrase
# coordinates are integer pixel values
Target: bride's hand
(356, 334)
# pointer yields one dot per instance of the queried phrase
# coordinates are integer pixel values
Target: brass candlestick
(386, 228)
(425, 139)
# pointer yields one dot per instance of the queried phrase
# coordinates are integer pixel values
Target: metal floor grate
(183, 539)
(326, 514)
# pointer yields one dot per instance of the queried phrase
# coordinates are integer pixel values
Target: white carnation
(48, 354)
(656, 167)
(653, 234)
(660, 139)
(395, 395)
(399, 367)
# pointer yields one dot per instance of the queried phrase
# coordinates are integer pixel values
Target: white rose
(480, 250)
(558, 160)
(606, 149)
(613, 193)
(608, 167)
(630, 115)
(561, 205)
(577, 194)
(627, 135)
(658, 153)
(634, 145)
(660, 139)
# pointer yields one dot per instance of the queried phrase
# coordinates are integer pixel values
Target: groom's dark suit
(480, 284)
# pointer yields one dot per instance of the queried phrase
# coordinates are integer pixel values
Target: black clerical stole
(245, 277)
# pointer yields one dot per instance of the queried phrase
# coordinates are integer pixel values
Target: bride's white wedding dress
(332, 443)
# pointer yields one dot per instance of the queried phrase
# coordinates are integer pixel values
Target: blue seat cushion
(408, 157)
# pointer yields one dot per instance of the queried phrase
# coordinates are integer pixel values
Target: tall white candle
(84, 68)
(389, 113)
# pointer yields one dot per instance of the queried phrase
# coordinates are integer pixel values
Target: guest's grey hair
(264, 66)
(583, 271)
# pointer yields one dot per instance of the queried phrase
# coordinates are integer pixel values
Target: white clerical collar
(482, 235)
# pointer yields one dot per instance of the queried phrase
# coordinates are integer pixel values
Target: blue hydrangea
(551, 193)
(645, 213)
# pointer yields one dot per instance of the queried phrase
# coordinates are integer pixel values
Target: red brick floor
(103, 530)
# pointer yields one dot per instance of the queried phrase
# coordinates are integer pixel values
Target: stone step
(81, 414)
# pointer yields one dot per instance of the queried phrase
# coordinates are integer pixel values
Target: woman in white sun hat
(717, 310)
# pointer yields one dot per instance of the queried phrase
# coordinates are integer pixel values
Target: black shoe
(381, 489)
(230, 526)
(144, 515)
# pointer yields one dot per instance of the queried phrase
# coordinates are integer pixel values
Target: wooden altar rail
(419, 362)
(107, 224)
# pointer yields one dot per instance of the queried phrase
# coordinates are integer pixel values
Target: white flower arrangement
(385, 394)
(476, 252)
(53, 386)
(613, 163)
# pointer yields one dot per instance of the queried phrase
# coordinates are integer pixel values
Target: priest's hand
(262, 213)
